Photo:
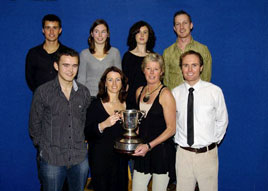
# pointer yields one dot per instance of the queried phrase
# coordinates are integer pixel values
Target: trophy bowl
(130, 140)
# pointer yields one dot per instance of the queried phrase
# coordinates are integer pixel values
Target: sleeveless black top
(159, 159)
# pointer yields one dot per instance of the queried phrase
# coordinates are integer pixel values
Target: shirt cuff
(101, 131)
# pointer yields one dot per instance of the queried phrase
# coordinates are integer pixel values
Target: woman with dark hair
(141, 41)
(109, 169)
(99, 56)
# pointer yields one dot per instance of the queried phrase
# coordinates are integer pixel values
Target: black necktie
(190, 118)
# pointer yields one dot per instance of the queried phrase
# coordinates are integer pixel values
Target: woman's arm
(110, 121)
(82, 72)
(94, 122)
(169, 108)
(117, 59)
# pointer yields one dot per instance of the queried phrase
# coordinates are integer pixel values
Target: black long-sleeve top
(39, 67)
(131, 66)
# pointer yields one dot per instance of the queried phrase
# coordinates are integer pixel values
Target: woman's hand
(110, 121)
(141, 150)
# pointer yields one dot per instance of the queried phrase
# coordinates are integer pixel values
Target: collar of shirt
(210, 114)
(41, 47)
(187, 47)
(56, 84)
(196, 86)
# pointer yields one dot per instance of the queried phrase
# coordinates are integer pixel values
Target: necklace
(146, 98)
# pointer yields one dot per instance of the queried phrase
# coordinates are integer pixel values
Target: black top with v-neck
(154, 123)
(158, 160)
(108, 168)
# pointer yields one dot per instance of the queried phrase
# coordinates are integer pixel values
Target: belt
(200, 150)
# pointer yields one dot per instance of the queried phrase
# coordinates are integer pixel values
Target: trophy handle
(120, 113)
(142, 115)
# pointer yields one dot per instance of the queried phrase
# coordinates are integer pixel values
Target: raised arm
(95, 124)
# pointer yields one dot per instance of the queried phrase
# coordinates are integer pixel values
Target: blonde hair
(154, 57)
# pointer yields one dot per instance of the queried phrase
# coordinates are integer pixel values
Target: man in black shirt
(39, 61)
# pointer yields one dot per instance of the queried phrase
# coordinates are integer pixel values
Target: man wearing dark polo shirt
(56, 126)
(39, 61)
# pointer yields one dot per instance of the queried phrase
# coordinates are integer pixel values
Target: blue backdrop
(234, 31)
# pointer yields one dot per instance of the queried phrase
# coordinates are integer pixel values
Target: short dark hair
(91, 41)
(131, 41)
(52, 18)
(103, 95)
(191, 52)
(66, 52)
(181, 12)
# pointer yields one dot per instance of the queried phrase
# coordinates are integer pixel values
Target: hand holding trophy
(130, 140)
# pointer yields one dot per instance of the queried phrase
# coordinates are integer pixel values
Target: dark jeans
(52, 177)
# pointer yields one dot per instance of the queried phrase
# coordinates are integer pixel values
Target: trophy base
(127, 145)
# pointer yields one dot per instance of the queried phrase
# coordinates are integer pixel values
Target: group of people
(73, 119)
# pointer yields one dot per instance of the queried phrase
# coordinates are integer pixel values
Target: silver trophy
(130, 140)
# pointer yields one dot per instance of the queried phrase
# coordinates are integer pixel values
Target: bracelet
(149, 146)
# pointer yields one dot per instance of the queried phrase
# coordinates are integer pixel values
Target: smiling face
(142, 36)
(100, 34)
(113, 82)
(67, 68)
(191, 69)
(51, 30)
(182, 26)
(152, 72)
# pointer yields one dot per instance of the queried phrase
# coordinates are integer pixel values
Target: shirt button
(69, 137)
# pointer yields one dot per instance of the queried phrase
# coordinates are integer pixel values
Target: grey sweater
(91, 69)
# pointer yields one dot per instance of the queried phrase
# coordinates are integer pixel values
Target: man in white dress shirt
(197, 160)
